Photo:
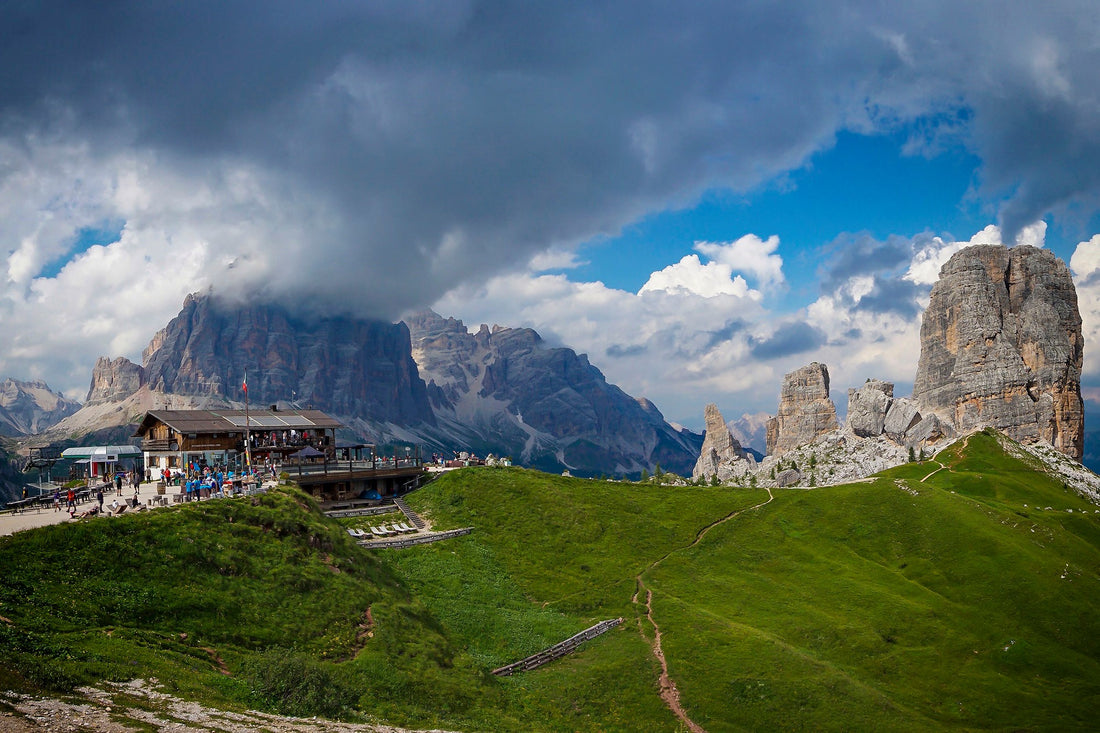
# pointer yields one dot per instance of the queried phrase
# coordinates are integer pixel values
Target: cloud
(375, 157)
(1085, 264)
(751, 255)
(690, 276)
(934, 252)
(787, 340)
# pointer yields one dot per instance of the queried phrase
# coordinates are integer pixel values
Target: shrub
(293, 684)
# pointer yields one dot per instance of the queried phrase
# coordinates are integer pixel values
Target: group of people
(119, 480)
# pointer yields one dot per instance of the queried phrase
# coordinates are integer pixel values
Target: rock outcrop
(344, 366)
(501, 390)
(721, 455)
(805, 410)
(30, 407)
(546, 407)
(867, 407)
(873, 411)
(1001, 346)
(114, 380)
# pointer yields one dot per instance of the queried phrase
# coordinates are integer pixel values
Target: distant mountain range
(30, 407)
(427, 381)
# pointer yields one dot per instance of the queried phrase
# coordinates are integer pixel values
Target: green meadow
(966, 601)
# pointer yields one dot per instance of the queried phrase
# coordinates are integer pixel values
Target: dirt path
(669, 693)
(668, 690)
(933, 473)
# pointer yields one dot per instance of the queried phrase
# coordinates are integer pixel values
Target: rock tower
(805, 410)
(1001, 346)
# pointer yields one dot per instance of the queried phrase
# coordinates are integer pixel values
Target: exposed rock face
(344, 366)
(902, 415)
(867, 407)
(1001, 346)
(547, 407)
(500, 391)
(113, 381)
(31, 407)
(721, 455)
(805, 410)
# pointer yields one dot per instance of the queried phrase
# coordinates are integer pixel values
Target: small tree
(813, 460)
(773, 473)
(912, 454)
(813, 480)
(658, 473)
(644, 476)
(714, 480)
(794, 466)
(752, 480)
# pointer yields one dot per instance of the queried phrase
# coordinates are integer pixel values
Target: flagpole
(247, 430)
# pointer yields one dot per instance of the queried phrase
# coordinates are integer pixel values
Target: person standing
(57, 500)
(72, 500)
(99, 497)
(118, 483)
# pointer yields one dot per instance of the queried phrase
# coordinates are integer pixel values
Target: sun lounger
(377, 532)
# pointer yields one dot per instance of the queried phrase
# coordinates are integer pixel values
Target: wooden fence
(558, 650)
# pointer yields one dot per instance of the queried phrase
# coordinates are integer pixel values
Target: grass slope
(960, 599)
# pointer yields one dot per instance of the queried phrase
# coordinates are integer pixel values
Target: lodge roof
(234, 421)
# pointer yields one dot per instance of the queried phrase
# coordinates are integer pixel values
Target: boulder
(902, 415)
(867, 407)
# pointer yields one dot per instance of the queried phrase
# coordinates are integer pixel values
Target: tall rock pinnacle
(721, 455)
(805, 410)
(1001, 346)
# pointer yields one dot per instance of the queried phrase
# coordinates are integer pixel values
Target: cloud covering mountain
(379, 157)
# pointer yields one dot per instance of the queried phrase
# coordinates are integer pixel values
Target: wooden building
(301, 442)
(176, 439)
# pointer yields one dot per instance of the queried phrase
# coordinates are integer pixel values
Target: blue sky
(700, 197)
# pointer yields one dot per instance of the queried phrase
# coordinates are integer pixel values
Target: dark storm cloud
(863, 255)
(788, 339)
(619, 351)
(893, 295)
(441, 142)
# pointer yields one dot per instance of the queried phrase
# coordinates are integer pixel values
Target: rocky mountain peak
(805, 410)
(1001, 346)
(114, 380)
(31, 406)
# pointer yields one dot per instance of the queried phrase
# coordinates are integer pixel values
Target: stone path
(11, 522)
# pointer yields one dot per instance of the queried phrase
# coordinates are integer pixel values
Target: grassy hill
(953, 595)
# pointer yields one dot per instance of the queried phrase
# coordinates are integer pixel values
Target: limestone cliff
(805, 410)
(114, 380)
(344, 366)
(1001, 346)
